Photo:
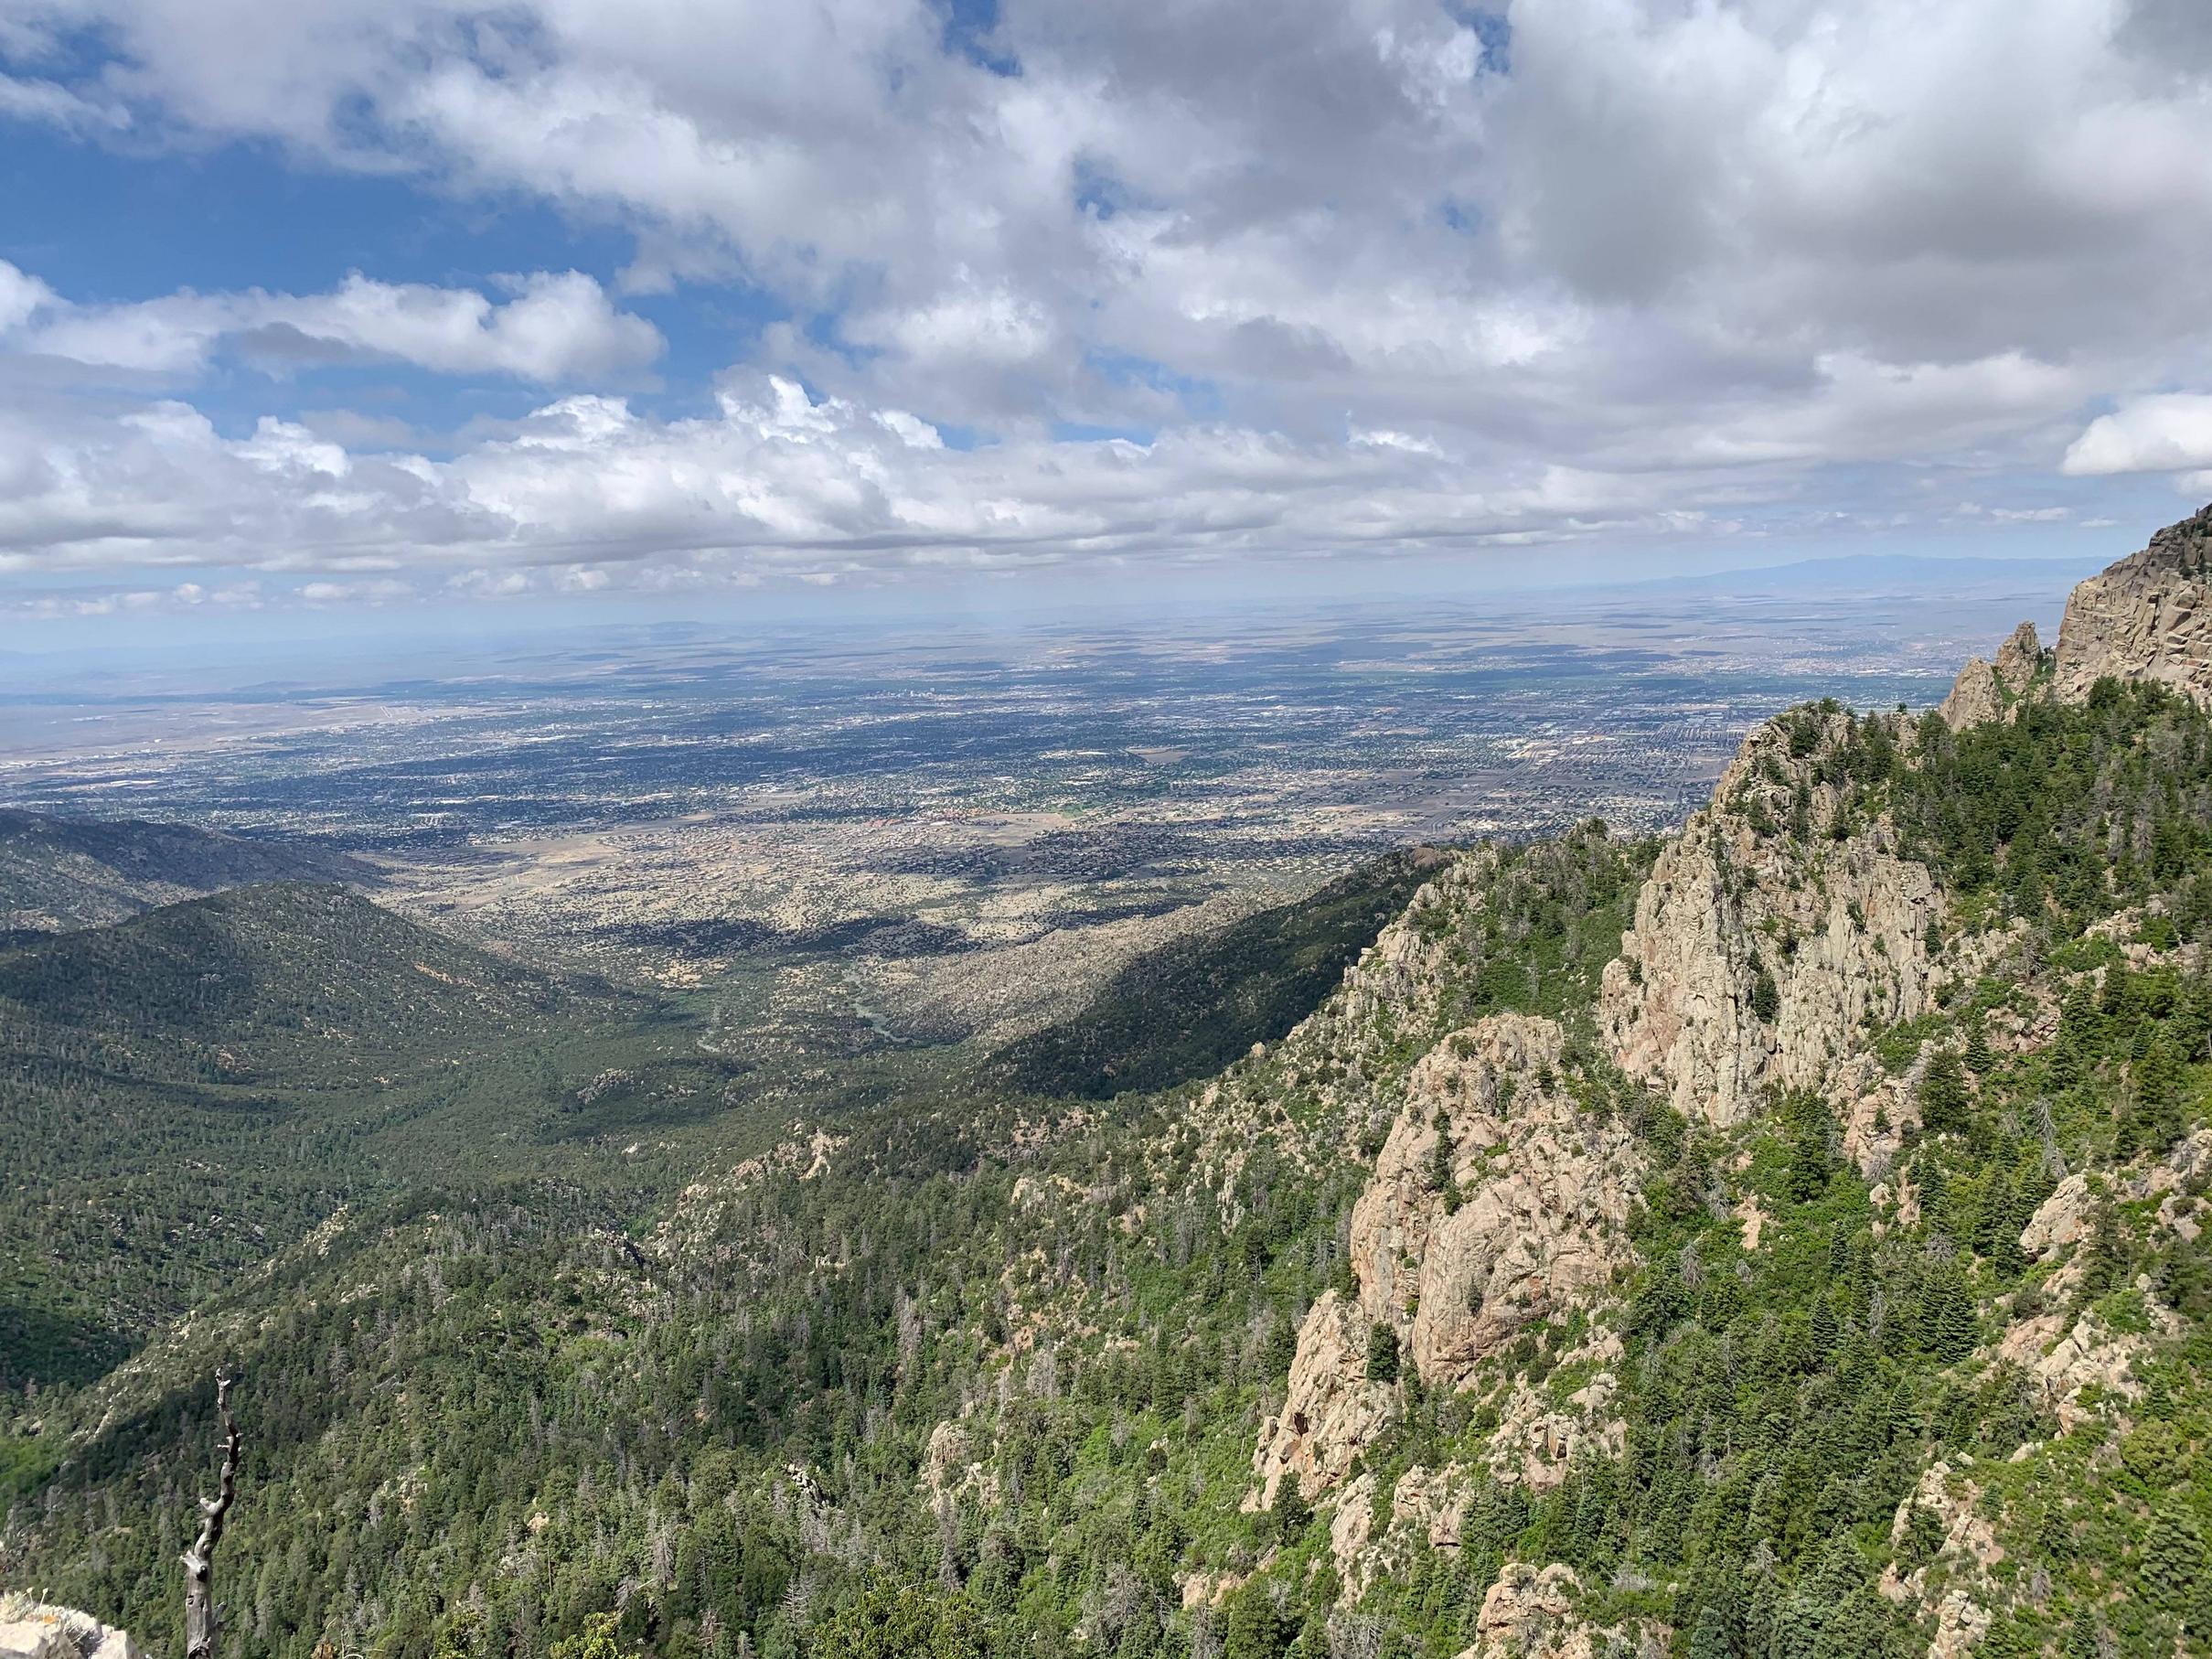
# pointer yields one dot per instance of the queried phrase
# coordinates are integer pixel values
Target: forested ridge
(58, 874)
(1919, 1366)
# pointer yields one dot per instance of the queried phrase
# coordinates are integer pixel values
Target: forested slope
(184, 1092)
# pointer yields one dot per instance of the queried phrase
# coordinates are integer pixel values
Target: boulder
(31, 1630)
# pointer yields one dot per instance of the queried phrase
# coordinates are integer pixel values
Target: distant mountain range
(1874, 576)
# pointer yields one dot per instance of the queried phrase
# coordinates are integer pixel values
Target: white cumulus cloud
(555, 326)
(1356, 275)
(2163, 434)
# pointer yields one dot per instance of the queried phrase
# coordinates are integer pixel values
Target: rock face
(1534, 1444)
(2147, 617)
(1427, 1509)
(1535, 1213)
(1535, 1217)
(32, 1630)
(1332, 1411)
(1987, 691)
(1530, 1614)
(2059, 1220)
(1964, 1551)
(2062, 1362)
(1402, 977)
(1756, 888)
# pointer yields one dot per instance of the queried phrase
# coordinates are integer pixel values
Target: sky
(406, 308)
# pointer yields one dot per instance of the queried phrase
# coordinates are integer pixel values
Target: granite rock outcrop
(1774, 934)
(2148, 617)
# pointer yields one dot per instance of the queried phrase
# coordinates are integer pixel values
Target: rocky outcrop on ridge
(1528, 1613)
(1331, 1412)
(30, 1630)
(1536, 1440)
(1534, 1216)
(1832, 916)
(2147, 617)
(1397, 984)
(1758, 887)
(1776, 937)
(1987, 691)
(1535, 1213)
(1963, 1549)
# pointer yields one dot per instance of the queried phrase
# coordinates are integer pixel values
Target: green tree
(1948, 1325)
(1291, 1513)
(2173, 1560)
(596, 1641)
(1710, 1638)
(1943, 1096)
(1979, 1059)
(1766, 997)
(898, 1621)
(1382, 1355)
(1257, 1628)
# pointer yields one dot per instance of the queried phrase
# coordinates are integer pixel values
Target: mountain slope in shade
(187, 1090)
(291, 964)
(1191, 1006)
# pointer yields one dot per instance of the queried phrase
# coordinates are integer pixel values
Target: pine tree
(1979, 1059)
(1382, 1355)
(1710, 1639)
(2173, 1560)
(1947, 1326)
(1996, 1233)
(2156, 1121)
(1292, 1513)
(1766, 997)
(1943, 1096)
(1257, 1628)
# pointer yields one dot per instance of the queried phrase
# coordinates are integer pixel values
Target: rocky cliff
(1783, 925)
(1777, 937)
(1496, 1204)
(1992, 691)
(1496, 1201)
(1775, 931)
(2147, 617)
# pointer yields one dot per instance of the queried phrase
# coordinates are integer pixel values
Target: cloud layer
(1349, 278)
(556, 328)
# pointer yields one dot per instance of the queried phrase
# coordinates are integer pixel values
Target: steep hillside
(1188, 1009)
(258, 976)
(58, 874)
(1790, 1242)
(182, 1092)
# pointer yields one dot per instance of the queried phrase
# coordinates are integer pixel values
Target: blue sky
(382, 309)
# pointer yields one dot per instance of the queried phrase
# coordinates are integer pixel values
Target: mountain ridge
(58, 874)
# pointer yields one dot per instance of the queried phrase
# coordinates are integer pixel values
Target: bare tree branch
(203, 1618)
